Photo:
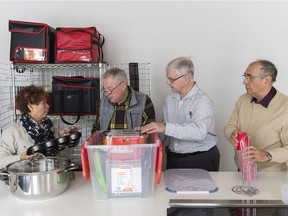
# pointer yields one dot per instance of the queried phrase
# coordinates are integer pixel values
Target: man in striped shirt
(189, 121)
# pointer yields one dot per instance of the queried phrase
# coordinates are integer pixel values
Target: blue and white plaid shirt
(190, 121)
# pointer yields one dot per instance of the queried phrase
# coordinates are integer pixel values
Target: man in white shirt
(188, 121)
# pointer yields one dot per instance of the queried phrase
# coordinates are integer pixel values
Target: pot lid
(36, 165)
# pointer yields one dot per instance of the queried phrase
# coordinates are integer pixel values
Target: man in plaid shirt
(121, 106)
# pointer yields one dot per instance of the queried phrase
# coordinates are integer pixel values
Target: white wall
(221, 37)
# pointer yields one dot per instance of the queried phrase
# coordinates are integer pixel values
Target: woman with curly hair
(32, 128)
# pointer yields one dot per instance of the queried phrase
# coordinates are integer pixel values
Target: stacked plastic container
(122, 171)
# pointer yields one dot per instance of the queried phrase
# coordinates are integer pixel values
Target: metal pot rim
(22, 162)
(36, 173)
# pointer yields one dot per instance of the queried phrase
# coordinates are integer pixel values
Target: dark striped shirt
(119, 119)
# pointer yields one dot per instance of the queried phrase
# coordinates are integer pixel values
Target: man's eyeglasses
(108, 92)
(249, 77)
(173, 80)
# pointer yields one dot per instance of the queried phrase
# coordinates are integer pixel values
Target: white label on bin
(126, 179)
(122, 149)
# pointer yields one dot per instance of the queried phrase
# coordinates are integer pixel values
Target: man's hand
(153, 127)
(233, 138)
(256, 154)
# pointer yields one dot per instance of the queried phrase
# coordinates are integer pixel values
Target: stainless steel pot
(39, 178)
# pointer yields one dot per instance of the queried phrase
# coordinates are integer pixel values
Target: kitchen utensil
(159, 156)
(73, 139)
(52, 147)
(85, 163)
(183, 181)
(247, 166)
(74, 136)
(61, 143)
(39, 148)
(39, 177)
(99, 171)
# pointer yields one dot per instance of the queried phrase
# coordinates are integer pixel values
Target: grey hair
(184, 65)
(116, 73)
(268, 68)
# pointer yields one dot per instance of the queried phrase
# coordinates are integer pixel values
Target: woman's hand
(23, 156)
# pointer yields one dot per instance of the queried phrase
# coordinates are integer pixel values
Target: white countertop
(78, 198)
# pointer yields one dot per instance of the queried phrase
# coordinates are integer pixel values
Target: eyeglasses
(108, 92)
(173, 80)
(249, 77)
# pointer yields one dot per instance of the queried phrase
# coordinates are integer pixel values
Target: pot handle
(4, 174)
(72, 167)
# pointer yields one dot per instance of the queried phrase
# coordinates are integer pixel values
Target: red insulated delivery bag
(78, 45)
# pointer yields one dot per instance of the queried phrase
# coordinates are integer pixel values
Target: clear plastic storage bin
(122, 171)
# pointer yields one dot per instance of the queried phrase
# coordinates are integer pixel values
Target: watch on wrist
(269, 156)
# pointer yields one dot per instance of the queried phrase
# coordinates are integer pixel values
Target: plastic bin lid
(183, 181)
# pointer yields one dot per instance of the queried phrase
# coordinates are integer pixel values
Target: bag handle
(79, 109)
(134, 76)
(68, 123)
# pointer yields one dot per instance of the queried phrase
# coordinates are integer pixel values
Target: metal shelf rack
(24, 74)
